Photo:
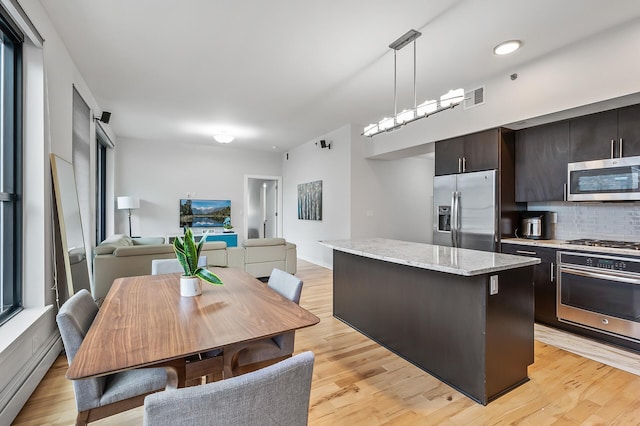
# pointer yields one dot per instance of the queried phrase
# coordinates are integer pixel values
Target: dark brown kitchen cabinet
(593, 136)
(544, 280)
(607, 134)
(629, 130)
(469, 153)
(449, 155)
(542, 154)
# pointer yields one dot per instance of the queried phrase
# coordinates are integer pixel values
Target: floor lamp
(128, 203)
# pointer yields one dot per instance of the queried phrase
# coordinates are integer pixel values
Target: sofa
(121, 256)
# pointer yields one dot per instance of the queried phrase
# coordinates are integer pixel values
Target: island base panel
(446, 324)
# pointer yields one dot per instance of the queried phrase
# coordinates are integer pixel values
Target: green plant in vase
(188, 253)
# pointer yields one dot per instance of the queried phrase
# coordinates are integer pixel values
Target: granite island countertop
(451, 260)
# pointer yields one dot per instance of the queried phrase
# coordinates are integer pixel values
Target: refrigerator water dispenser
(444, 218)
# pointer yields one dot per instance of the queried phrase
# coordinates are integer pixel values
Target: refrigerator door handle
(453, 219)
(458, 219)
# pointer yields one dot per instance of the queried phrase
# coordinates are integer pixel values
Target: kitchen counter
(464, 316)
(562, 244)
(435, 258)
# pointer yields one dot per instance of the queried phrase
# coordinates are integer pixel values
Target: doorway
(264, 202)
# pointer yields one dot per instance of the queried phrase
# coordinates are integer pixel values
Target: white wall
(393, 199)
(160, 174)
(308, 163)
(361, 198)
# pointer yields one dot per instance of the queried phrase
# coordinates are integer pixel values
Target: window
(101, 189)
(11, 173)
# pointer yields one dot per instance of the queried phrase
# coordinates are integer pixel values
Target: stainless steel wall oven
(600, 292)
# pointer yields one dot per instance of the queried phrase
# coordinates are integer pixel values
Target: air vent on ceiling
(474, 97)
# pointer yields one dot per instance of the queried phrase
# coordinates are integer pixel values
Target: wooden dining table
(144, 322)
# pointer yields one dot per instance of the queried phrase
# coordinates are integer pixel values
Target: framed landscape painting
(310, 200)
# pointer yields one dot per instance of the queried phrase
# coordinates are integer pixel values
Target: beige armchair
(262, 255)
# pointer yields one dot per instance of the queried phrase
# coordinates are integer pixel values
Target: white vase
(190, 286)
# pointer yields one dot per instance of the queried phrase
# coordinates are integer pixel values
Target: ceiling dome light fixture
(223, 138)
(425, 109)
(507, 47)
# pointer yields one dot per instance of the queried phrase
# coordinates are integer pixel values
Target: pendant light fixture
(425, 109)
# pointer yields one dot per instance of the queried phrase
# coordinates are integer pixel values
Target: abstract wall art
(310, 200)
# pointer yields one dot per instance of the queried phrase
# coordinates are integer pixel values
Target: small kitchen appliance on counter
(537, 225)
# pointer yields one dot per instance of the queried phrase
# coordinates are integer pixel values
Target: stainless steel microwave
(614, 179)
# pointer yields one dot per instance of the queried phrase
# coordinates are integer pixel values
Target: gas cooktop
(606, 243)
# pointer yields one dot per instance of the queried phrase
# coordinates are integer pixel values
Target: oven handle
(611, 276)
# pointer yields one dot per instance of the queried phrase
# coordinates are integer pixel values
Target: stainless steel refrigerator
(465, 210)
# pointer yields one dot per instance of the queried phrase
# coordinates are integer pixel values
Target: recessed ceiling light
(507, 47)
(223, 138)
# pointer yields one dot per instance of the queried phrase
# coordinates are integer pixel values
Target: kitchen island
(464, 316)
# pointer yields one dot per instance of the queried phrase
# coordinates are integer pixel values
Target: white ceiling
(282, 72)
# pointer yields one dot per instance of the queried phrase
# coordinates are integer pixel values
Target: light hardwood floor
(358, 382)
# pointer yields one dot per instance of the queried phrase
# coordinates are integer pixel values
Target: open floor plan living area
(285, 212)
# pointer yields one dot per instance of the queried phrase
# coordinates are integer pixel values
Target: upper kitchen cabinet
(542, 153)
(449, 154)
(470, 153)
(592, 136)
(629, 131)
(608, 134)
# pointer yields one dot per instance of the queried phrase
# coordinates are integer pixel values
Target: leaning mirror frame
(70, 225)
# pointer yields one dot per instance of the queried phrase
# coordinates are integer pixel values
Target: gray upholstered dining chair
(275, 395)
(275, 348)
(101, 397)
(170, 266)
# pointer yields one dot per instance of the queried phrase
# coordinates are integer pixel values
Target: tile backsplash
(604, 221)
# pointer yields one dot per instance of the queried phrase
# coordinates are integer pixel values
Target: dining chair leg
(173, 381)
(82, 419)
(229, 361)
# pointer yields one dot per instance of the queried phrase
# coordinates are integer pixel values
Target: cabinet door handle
(612, 146)
(459, 165)
(564, 192)
(464, 165)
(620, 150)
(526, 252)
(552, 274)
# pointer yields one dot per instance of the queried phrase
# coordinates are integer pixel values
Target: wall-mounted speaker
(325, 144)
(105, 117)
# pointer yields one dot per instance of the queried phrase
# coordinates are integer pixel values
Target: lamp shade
(128, 202)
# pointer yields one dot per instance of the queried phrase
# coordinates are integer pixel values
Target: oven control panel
(612, 263)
